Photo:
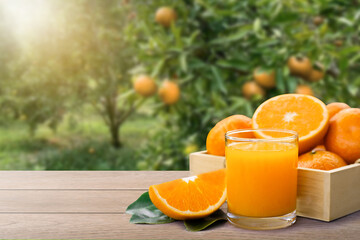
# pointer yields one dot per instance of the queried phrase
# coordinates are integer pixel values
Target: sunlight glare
(26, 16)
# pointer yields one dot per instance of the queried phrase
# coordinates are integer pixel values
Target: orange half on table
(191, 197)
(306, 115)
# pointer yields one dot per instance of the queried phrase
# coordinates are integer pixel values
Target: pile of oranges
(329, 135)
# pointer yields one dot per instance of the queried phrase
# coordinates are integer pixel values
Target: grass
(80, 143)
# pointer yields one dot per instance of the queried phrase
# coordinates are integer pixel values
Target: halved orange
(190, 197)
(305, 114)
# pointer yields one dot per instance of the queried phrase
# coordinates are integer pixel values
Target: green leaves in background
(144, 212)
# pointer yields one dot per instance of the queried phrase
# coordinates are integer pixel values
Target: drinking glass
(261, 178)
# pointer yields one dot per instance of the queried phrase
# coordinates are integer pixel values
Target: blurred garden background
(138, 84)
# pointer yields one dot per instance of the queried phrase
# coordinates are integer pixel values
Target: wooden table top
(91, 205)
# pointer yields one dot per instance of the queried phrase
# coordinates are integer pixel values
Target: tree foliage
(214, 47)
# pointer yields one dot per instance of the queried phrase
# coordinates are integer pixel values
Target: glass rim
(294, 135)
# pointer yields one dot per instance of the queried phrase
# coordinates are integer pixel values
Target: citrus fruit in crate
(306, 115)
(319, 148)
(215, 141)
(320, 159)
(192, 197)
(343, 137)
(335, 107)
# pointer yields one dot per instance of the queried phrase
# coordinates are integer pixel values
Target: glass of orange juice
(261, 178)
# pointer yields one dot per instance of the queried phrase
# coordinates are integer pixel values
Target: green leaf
(144, 211)
(280, 84)
(233, 37)
(203, 223)
(219, 80)
(158, 67)
(235, 64)
(257, 25)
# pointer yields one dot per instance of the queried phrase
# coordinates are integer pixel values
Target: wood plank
(312, 194)
(345, 191)
(201, 162)
(111, 226)
(66, 201)
(86, 179)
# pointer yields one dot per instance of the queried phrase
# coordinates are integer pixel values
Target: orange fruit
(316, 74)
(299, 66)
(169, 92)
(304, 114)
(191, 197)
(335, 107)
(343, 137)
(165, 16)
(319, 148)
(215, 141)
(323, 160)
(318, 20)
(145, 86)
(304, 89)
(251, 89)
(264, 78)
(338, 43)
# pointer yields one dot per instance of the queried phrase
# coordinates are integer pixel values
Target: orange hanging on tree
(169, 92)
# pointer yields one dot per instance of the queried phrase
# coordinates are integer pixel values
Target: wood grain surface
(91, 205)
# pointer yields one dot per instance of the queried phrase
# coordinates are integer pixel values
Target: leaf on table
(144, 211)
(203, 223)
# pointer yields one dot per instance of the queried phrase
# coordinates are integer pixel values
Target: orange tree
(216, 49)
(84, 55)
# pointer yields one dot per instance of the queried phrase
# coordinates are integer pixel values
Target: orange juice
(261, 178)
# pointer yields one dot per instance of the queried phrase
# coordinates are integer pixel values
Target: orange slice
(191, 197)
(306, 115)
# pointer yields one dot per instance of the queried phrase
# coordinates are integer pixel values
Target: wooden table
(84, 204)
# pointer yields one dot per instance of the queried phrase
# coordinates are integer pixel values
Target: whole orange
(318, 20)
(299, 66)
(250, 89)
(169, 92)
(316, 74)
(319, 148)
(335, 107)
(165, 16)
(215, 141)
(323, 160)
(343, 137)
(304, 89)
(145, 86)
(265, 78)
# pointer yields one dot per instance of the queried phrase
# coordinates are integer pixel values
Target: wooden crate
(322, 195)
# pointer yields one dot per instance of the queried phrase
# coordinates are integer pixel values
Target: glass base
(266, 223)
